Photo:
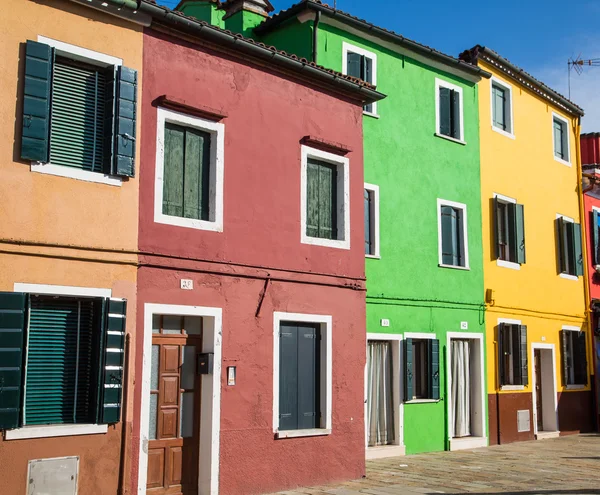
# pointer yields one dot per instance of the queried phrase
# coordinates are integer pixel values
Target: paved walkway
(567, 465)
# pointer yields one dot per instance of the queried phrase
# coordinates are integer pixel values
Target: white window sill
(373, 256)
(513, 388)
(503, 132)
(75, 173)
(314, 432)
(189, 223)
(576, 387)
(568, 276)
(508, 264)
(54, 431)
(560, 160)
(370, 114)
(443, 136)
(597, 268)
(332, 243)
(441, 265)
(422, 401)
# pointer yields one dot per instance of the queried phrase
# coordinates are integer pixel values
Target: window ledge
(190, 223)
(443, 136)
(560, 160)
(575, 387)
(441, 265)
(373, 256)
(503, 132)
(371, 114)
(332, 243)
(569, 276)
(513, 388)
(75, 173)
(422, 401)
(508, 264)
(314, 432)
(597, 268)
(54, 431)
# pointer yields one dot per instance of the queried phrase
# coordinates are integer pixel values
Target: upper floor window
(449, 110)
(509, 220)
(502, 114)
(361, 63)
(574, 356)
(560, 134)
(371, 209)
(569, 242)
(595, 234)
(452, 234)
(79, 112)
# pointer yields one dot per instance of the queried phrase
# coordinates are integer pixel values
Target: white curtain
(461, 389)
(380, 411)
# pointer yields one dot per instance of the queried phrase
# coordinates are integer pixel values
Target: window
(325, 209)
(560, 135)
(302, 375)
(569, 241)
(510, 230)
(371, 209)
(380, 394)
(452, 234)
(421, 369)
(595, 230)
(362, 64)
(66, 359)
(512, 359)
(449, 110)
(502, 119)
(189, 171)
(79, 112)
(574, 357)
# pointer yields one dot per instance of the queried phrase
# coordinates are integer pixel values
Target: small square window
(452, 234)
(560, 130)
(501, 107)
(449, 110)
(371, 210)
(362, 64)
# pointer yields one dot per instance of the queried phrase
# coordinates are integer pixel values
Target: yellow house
(536, 300)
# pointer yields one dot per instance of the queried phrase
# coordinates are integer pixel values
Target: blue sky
(537, 35)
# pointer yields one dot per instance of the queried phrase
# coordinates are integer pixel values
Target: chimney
(203, 10)
(242, 16)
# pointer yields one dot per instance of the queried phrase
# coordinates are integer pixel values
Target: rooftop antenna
(578, 64)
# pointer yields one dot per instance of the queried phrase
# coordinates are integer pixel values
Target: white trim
(449, 138)
(571, 328)
(375, 230)
(371, 114)
(506, 199)
(62, 290)
(420, 335)
(575, 387)
(440, 83)
(508, 264)
(347, 47)
(343, 197)
(508, 88)
(312, 432)
(210, 415)
(556, 116)
(568, 276)
(509, 321)
(463, 207)
(75, 173)
(512, 388)
(421, 401)
(78, 53)
(54, 431)
(326, 323)
(216, 175)
(534, 346)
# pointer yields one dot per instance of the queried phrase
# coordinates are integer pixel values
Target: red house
(251, 289)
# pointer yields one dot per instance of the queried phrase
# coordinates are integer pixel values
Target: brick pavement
(566, 465)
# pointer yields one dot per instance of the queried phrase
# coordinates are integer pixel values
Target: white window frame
(216, 175)
(347, 47)
(578, 386)
(419, 336)
(463, 208)
(565, 121)
(326, 325)
(60, 430)
(372, 188)
(440, 83)
(75, 52)
(567, 276)
(503, 263)
(343, 197)
(509, 90)
(513, 388)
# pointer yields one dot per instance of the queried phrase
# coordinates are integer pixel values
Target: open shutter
(13, 310)
(522, 362)
(353, 64)
(595, 237)
(312, 199)
(563, 250)
(125, 118)
(577, 251)
(580, 358)
(455, 114)
(512, 231)
(308, 376)
(288, 377)
(445, 112)
(497, 228)
(565, 356)
(501, 370)
(112, 357)
(39, 59)
(367, 212)
(408, 366)
(108, 148)
(520, 233)
(450, 255)
(433, 355)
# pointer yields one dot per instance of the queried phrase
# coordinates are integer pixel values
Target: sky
(537, 35)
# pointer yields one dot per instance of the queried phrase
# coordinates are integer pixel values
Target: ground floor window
(421, 369)
(574, 357)
(380, 394)
(513, 363)
(461, 387)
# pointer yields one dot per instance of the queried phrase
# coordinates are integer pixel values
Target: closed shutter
(13, 313)
(445, 115)
(111, 361)
(522, 363)
(173, 170)
(577, 250)
(367, 75)
(321, 200)
(499, 106)
(595, 237)
(564, 342)
(450, 248)
(520, 233)
(354, 63)
(308, 373)
(288, 377)
(501, 370)
(433, 355)
(408, 367)
(367, 208)
(125, 122)
(39, 59)
(558, 140)
(59, 361)
(580, 358)
(455, 114)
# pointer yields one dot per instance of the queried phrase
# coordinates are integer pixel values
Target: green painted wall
(293, 37)
(204, 11)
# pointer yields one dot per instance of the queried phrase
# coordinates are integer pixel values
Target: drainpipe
(315, 40)
(497, 353)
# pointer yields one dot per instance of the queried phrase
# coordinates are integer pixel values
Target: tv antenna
(578, 64)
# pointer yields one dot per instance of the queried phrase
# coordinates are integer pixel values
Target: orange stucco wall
(62, 231)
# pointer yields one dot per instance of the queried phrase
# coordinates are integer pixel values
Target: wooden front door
(538, 389)
(174, 426)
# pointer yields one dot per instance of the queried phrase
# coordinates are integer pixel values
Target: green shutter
(111, 362)
(125, 122)
(367, 75)
(445, 112)
(196, 175)
(288, 377)
(450, 247)
(563, 249)
(367, 213)
(308, 377)
(13, 311)
(580, 358)
(499, 107)
(173, 170)
(408, 366)
(321, 200)
(39, 59)
(596, 237)
(577, 250)
(501, 370)
(108, 139)
(312, 199)
(455, 114)
(520, 233)
(497, 228)
(559, 149)
(522, 355)
(565, 356)
(512, 231)
(433, 354)
(353, 67)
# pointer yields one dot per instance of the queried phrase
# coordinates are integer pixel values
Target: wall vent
(56, 475)
(523, 422)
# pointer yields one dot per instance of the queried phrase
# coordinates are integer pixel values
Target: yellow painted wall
(524, 168)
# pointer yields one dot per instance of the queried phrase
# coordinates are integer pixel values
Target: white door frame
(210, 414)
(473, 441)
(551, 347)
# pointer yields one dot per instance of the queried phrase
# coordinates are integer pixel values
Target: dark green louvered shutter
(580, 358)
(564, 340)
(125, 122)
(288, 377)
(455, 114)
(577, 250)
(497, 227)
(367, 212)
(367, 75)
(408, 367)
(108, 142)
(308, 385)
(563, 248)
(450, 248)
(111, 361)
(522, 363)
(501, 370)
(321, 200)
(13, 311)
(353, 64)
(433, 355)
(499, 107)
(39, 59)
(312, 199)
(558, 140)
(445, 112)
(595, 237)
(511, 210)
(520, 233)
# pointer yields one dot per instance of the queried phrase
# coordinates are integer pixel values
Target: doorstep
(542, 435)
(383, 451)
(463, 443)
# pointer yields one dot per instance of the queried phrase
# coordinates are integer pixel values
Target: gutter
(245, 46)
